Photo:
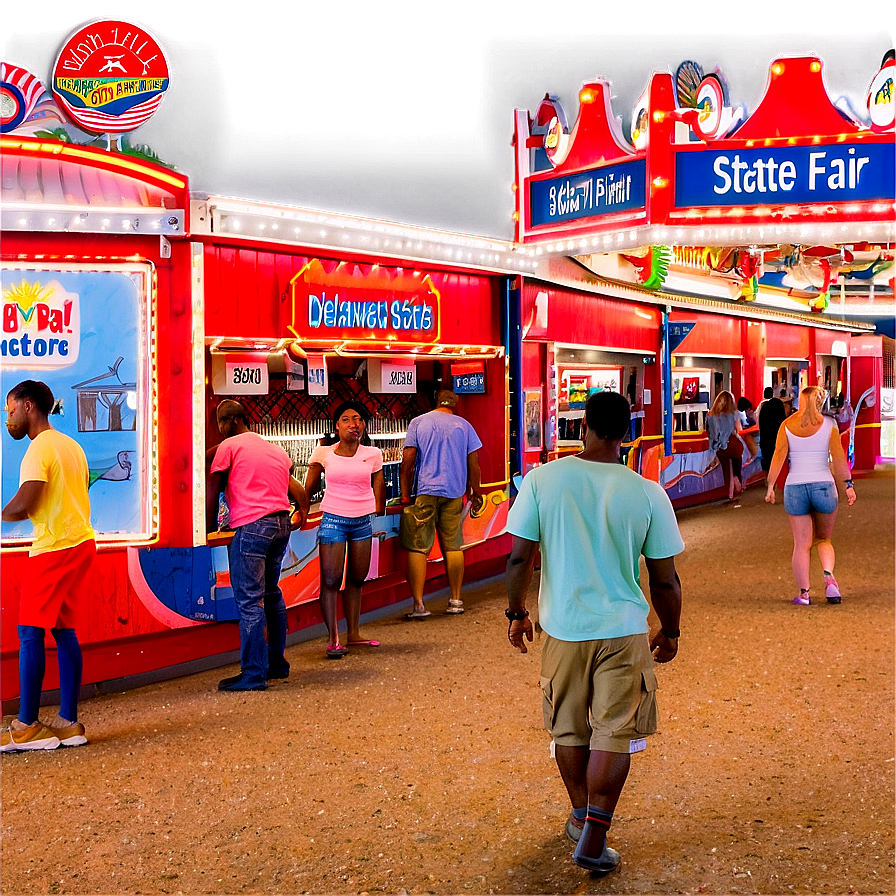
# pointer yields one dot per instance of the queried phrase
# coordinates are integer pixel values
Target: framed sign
(532, 420)
(468, 379)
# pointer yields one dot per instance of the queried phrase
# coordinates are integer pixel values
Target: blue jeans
(33, 663)
(338, 529)
(806, 497)
(256, 555)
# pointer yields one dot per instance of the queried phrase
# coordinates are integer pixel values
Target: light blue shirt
(592, 522)
(443, 442)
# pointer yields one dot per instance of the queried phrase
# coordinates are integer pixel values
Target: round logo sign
(110, 77)
(881, 99)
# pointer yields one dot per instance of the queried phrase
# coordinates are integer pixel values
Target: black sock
(600, 817)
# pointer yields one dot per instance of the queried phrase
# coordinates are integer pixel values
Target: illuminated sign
(588, 194)
(110, 77)
(342, 301)
(784, 176)
(41, 325)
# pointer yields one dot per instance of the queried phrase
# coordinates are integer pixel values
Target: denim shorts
(335, 529)
(800, 500)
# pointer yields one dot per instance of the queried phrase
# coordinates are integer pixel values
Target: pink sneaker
(802, 599)
(831, 590)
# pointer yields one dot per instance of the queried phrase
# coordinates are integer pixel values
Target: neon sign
(378, 305)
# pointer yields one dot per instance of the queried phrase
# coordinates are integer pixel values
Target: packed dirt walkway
(422, 767)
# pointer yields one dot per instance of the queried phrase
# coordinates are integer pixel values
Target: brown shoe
(35, 736)
(70, 734)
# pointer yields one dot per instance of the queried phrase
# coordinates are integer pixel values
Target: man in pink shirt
(260, 493)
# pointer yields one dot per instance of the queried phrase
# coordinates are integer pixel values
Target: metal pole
(668, 421)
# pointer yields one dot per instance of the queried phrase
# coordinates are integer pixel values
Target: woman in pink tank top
(354, 494)
(811, 442)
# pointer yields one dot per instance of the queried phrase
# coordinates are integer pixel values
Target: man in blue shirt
(442, 449)
(592, 520)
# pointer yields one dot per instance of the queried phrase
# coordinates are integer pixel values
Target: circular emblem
(710, 103)
(110, 77)
(12, 107)
(880, 98)
(20, 92)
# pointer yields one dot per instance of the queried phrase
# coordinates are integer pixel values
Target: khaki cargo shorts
(428, 514)
(599, 693)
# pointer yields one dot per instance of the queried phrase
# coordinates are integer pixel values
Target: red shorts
(56, 586)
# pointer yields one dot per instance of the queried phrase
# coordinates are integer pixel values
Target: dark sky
(404, 112)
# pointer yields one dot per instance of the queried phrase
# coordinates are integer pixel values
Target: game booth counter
(703, 251)
(143, 305)
(140, 337)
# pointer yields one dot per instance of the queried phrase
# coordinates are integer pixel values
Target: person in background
(812, 444)
(53, 482)
(354, 495)
(592, 519)
(441, 448)
(265, 504)
(723, 427)
(787, 401)
(771, 415)
(747, 420)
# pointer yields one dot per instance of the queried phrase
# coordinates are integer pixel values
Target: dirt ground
(422, 767)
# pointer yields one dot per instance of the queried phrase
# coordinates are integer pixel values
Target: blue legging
(33, 663)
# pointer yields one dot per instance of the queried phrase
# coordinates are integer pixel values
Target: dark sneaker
(35, 737)
(606, 862)
(574, 828)
(277, 672)
(239, 683)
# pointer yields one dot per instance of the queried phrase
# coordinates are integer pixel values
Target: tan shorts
(429, 513)
(614, 707)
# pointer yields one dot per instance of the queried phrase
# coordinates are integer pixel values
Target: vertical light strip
(151, 433)
(197, 305)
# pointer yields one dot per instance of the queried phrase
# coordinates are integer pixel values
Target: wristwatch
(672, 636)
(516, 615)
(848, 484)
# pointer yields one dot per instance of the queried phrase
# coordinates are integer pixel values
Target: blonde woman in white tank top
(811, 442)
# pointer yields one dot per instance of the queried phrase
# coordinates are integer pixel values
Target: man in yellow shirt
(52, 493)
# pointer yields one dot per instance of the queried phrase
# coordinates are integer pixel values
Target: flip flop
(416, 614)
(336, 652)
(363, 643)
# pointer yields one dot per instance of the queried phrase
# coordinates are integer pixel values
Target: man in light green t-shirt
(592, 519)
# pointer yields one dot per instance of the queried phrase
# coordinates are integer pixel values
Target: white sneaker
(455, 606)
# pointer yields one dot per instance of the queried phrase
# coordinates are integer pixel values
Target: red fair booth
(710, 242)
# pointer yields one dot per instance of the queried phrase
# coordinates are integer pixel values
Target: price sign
(241, 374)
(318, 381)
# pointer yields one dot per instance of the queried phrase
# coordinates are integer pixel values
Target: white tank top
(810, 456)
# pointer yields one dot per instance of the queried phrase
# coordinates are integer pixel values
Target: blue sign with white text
(784, 175)
(600, 191)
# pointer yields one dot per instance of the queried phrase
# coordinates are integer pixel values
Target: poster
(532, 413)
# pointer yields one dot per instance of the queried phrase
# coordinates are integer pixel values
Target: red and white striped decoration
(103, 123)
(20, 92)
